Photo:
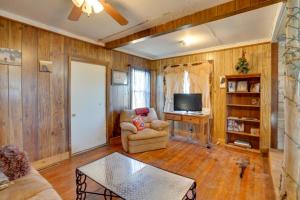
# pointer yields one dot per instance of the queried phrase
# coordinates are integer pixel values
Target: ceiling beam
(208, 15)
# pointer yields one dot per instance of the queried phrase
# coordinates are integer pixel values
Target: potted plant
(242, 66)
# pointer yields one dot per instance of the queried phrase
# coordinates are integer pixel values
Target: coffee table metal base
(81, 186)
(81, 192)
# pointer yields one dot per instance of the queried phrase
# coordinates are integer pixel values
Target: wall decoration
(46, 66)
(222, 82)
(242, 86)
(255, 87)
(231, 86)
(242, 66)
(119, 78)
(10, 56)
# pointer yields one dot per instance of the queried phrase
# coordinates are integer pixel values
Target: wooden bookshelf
(243, 110)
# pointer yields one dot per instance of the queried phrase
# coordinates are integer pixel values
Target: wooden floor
(215, 171)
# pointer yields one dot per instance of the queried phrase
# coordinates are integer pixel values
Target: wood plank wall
(33, 104)
(259, 58)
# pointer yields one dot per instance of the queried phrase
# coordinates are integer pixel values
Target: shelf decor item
(242, 86)
(242, 66)
(255, 87)
(231, 86)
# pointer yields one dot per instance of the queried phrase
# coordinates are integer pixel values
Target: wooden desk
(201, 120)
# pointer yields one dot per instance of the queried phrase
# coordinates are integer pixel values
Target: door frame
(104, 63)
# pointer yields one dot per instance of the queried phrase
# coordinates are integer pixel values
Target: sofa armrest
(159, 125)
(126, 126)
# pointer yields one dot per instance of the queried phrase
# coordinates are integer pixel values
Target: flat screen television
(188, 102)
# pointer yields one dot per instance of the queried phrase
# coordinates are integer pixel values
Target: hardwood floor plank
(215, 171)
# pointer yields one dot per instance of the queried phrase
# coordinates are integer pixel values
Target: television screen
(187, 102)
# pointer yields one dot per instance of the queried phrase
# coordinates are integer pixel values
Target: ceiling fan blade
(114, 13)
(75, 14)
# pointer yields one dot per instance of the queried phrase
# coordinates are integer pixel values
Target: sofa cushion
(27, 187)
(159, 125)
(48, 194)
(147, 133)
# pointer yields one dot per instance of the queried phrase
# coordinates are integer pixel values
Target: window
(140, 88)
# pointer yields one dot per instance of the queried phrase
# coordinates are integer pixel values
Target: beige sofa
(30, 187)
(154, 136)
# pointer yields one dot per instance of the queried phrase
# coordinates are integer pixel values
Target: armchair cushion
(147, 133)
(127, 126)
(159, 125)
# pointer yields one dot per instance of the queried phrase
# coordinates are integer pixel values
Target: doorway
(87, 106)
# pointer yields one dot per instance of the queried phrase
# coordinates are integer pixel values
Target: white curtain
(199, 81)
(174, 83)
(140, 88)
(188, 79)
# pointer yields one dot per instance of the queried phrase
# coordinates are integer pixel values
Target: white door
(88, 106)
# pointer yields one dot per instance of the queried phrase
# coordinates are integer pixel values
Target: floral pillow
(139, 123)
(13, 162)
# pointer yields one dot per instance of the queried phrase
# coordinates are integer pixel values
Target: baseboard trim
(46, 162)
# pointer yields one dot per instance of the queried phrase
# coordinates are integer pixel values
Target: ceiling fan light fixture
(86, 8)
(98, 7)
(78, 3)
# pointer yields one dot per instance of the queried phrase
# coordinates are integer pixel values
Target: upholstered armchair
(154, 136)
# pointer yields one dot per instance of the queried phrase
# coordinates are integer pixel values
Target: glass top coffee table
(129, 179)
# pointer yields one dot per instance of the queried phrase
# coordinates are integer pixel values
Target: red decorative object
(142, 111)
(13, 162)
(139, 123)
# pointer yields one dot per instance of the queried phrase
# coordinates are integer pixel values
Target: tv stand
(197, 118)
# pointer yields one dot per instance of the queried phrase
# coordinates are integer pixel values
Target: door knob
(73, 115)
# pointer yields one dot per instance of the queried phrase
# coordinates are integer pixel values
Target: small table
(200, 119)
(126, 178)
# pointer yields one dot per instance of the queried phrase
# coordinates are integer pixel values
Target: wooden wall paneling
(15, 35)
(4, 38)
(57, 91)
(218, 101)
(152, 89)
(4, 105)
(274, 95)
(266, 98)
(15, 106)
(29, 91)
(44, 97)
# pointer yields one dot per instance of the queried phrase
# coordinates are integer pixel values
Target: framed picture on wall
(119, 77)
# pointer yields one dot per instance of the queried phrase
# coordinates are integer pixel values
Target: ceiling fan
(96, 6)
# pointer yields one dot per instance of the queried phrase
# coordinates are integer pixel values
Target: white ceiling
(141, 14)
(251, 27)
